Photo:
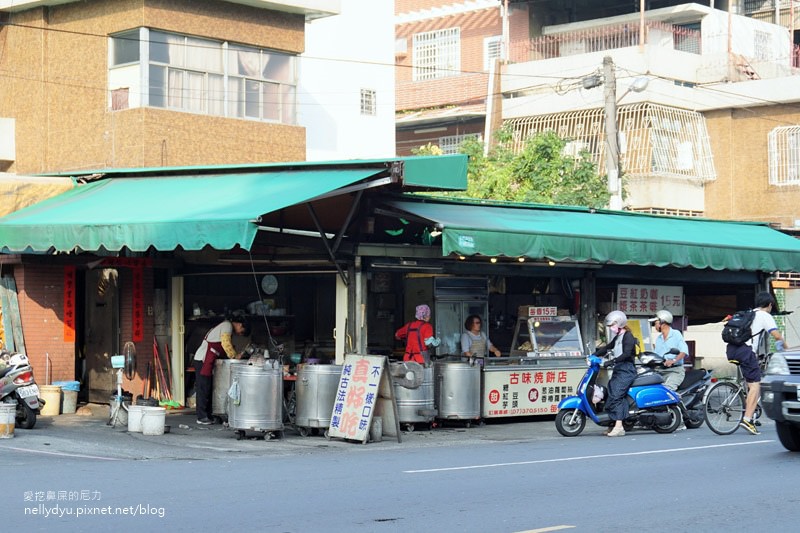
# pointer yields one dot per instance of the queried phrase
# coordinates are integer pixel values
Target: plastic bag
(234, 393)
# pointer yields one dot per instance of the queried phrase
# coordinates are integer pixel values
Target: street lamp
(609, 82)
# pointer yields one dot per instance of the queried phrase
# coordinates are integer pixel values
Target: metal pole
(641, 25)
(612, 139)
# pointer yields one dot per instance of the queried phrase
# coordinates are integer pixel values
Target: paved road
(500, 477)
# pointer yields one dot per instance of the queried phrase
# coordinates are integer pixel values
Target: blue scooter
(650, 404)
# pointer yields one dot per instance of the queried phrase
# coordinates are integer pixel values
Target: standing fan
(126, 362)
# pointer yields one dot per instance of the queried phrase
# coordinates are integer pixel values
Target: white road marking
(546, 529)
(584, 457)
(60, 454)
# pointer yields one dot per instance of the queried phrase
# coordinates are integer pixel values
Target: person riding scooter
(622, 350)
(668, 340)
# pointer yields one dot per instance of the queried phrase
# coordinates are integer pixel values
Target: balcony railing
(601, 39)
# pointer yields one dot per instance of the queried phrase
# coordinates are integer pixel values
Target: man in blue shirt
(667, 339)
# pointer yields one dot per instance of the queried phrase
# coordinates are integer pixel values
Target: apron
(478, 346)
(212, 353)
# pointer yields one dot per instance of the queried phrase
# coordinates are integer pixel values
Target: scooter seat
(647, 379)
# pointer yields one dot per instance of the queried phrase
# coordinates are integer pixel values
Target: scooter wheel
(570, 422)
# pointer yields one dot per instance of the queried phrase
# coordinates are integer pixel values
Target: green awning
(584, 235)
(166, 212)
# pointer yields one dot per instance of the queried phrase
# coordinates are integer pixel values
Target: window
(492, 49)
(205, 76)
(784, 155)
(436, 54)
(450, 144)
(762, 45)
(368, 102)
(125, 48)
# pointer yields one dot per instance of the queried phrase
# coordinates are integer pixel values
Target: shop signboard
(527, 391)
(364, 392)
(645, 300)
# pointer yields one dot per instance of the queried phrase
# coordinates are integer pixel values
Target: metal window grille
(368, 106)
(450, 144)
(436, 54)
(655, 140)
(762, 45)
(784, 155)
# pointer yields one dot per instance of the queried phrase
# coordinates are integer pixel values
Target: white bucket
(8, 413)
(51, 394)
(135, 418)
(153, 419)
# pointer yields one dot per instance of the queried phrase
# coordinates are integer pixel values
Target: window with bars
(762, 45)
(368, 106)
(784, 155)
(492, 49)
(436, 54)
(205, 76)
(450, 144)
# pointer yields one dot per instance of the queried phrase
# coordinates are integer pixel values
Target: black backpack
(737, 329)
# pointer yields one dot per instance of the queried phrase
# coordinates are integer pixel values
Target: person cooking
(217, 343)
(475, 344)
(418, 335)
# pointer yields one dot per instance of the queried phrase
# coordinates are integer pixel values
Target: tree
(539, 173)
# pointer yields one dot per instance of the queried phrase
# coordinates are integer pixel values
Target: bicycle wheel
(724, 408)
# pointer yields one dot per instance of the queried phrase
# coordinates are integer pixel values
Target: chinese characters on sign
(647, 299)
(138, 304)
(69, 304)
(356, 397)
(528, 392)
(542, 313)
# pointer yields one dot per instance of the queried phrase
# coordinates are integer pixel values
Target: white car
(780, 386)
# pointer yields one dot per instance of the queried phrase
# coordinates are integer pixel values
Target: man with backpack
(762, 323)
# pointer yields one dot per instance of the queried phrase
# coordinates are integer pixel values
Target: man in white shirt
(763, 324)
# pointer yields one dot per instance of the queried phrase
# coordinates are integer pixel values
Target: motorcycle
(691, 390)
(17, 386)
(650, 404)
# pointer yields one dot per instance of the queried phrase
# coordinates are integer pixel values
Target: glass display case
(555, 336)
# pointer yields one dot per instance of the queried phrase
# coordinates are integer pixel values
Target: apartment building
(121, 83)
(445, 51)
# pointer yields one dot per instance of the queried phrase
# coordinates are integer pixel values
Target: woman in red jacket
(418, 335)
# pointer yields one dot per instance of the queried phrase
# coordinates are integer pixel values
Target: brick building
(102, 84)
(444, 53)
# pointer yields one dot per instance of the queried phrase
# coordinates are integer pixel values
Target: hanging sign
(69, 304)
(364, 392)
(647, 299)
(138, 304)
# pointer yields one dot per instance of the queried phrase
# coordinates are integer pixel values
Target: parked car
(779, 396)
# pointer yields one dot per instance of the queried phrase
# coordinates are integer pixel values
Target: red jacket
(415, 334)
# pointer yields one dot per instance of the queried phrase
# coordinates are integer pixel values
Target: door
(101, 333)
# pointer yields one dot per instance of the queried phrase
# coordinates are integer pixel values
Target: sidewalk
(88, 435)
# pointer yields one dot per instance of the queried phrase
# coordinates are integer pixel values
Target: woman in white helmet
(621, 351)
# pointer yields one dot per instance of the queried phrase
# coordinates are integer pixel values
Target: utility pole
(612, 138)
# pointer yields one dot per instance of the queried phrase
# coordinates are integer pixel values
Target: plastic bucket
(153, 419)
(135, 418)
(8, 413)
(69, 395)
(51, 394)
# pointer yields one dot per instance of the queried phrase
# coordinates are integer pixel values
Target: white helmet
(663, 316)
(616, 317)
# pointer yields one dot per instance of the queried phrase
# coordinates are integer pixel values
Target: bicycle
(725, 401)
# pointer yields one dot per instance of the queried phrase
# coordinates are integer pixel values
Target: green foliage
(539, 173)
